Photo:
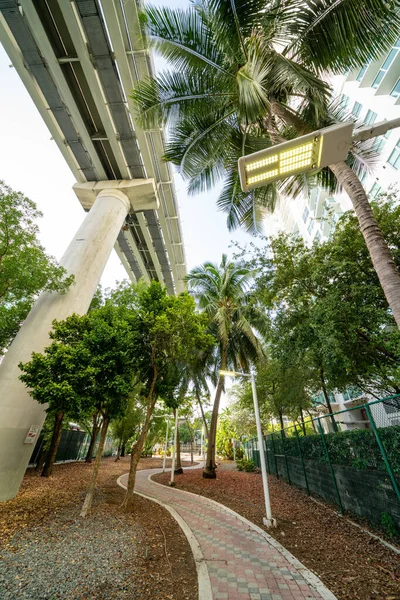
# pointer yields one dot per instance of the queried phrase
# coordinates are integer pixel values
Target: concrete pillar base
(86, 258)
(269, 522)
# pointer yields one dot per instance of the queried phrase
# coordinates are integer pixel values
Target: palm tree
(247, 74)
(222, 291)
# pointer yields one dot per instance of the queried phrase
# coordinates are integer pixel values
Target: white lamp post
(174, 450)
(269, 521)
(165, 448)
(309, 152)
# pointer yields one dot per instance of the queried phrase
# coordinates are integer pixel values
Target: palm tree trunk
(209, 468)
(384, 265)
(89, 495)
(202, 414)
(55, 442)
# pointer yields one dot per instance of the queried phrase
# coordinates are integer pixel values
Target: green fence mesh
(349, 458)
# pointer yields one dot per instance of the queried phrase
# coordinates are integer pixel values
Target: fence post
(383, 451)
(321, 431)
(274, 451)
(284, 454)
(301, 458)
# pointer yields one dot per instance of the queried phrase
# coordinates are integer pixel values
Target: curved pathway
(235, 559)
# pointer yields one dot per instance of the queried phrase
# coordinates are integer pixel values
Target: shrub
(245, 465)
(357, 448)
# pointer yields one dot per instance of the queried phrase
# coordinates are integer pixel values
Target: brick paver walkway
(243, 562)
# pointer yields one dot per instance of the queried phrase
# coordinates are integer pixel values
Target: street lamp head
(306, 153)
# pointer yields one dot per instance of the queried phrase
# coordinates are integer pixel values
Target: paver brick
(248, 567)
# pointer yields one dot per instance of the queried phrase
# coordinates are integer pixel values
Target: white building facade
(371, 94)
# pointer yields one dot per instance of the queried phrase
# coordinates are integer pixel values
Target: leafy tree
(222, 291)
(56, 377)
(167, 332)
(25, 268)
(247, 74)
(327, 310)
(127, 426)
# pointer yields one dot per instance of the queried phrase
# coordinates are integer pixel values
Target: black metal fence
(350, 458)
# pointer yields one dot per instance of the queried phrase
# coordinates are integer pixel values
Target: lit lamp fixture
(307, 153)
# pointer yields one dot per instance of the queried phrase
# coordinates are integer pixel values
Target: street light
(269, 521)
(166, 439)
(310, 152)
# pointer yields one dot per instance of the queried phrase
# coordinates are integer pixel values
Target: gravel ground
(47, 552)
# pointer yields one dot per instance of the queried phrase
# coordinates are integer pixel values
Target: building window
(362, 72)
(306, 212)
(310, 226)
(394, 158)
(344, 101)
(317, 236)
(356, 109)
(375, 191)
(370, 117)
(362, 175)
(396, 90)
(378, 144)
(386, 65)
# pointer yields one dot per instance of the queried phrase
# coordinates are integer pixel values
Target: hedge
(357, 448)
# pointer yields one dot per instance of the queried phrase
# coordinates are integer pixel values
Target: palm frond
(182, 37)
(336, 35)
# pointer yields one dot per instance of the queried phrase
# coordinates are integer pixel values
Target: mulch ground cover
(352, 565)
(48, 552)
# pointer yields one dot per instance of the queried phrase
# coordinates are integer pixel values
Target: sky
(31, 162)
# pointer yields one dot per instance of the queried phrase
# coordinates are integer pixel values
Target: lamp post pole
(174, 451)
(268, 521)
(165, 448)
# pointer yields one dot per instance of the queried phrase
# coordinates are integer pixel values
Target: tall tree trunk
(89, 495)
(303, 425)
(382, 259)
(136, 453)
(41, 456)
(178, 464)
(118, 451)
(191, 440)
(280, 414)
(327, 400)
(55, 442)
(209, 468)
(202, 414)
(95, 431)
(123, 448)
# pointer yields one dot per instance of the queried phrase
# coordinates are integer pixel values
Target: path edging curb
(203, 578)
(308, 575)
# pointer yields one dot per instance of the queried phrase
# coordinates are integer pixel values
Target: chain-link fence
(350, 458)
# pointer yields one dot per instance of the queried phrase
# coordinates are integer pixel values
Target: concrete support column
(86, 258)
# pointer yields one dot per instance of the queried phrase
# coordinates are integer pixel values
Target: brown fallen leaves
(165, 568)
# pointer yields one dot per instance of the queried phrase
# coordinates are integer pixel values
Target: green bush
(357, 448)
(245, 465)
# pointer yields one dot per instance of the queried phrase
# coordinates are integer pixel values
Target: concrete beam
(140, 192)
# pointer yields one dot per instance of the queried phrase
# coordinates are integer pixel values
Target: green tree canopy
(25, 268)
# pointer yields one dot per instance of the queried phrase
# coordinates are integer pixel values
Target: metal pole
(321, 431)
(368, 132)
(285, 456)
(302, 459)
(383, 452)
(269, 521)
(274, 452)
(174, 451)
(165, 448)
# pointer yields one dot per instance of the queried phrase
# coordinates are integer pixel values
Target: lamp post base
(269, 522)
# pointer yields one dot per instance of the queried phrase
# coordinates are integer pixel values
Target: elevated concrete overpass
(79, 60)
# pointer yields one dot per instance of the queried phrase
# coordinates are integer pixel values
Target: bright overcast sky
(31, 162)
